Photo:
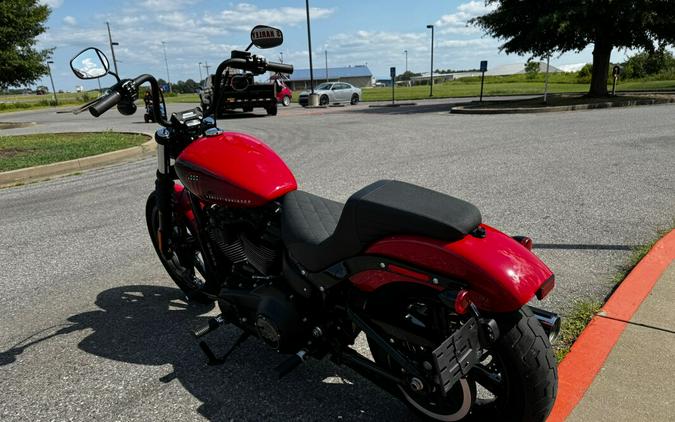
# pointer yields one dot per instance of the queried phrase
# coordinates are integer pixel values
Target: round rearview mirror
(263, 36)
(91, 63)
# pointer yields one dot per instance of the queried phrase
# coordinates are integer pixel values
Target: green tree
(405, 76)
(648, 63)
(21, 21)
(532, 69)
(556, 26)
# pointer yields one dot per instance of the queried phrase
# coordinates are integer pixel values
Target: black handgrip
(105, 104)
(279, 67)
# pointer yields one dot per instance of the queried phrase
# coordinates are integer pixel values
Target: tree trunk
(601, 54)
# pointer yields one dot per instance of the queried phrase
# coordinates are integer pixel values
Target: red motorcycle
(440, 296)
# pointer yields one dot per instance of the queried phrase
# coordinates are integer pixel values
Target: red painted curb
(578, 369)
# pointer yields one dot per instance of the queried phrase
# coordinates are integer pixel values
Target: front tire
(286, 101)
(522, 360)
(323, 101)
(185, 266)
(355, 99)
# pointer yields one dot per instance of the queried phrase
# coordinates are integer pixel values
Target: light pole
(200, 73)
(166, 63)
(281, 56)
(326, 51)
(431, 75)
(112, 50)
(56, 100)
(309, 42)
(406, 60)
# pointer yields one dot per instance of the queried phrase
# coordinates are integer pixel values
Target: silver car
(333, 92)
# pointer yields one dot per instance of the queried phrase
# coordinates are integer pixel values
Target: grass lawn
(32, 150)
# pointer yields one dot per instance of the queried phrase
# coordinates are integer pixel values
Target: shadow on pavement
(151, 325)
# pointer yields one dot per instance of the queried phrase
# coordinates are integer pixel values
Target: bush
(647, 63)
(584, 74)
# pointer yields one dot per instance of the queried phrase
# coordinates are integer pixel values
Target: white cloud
(70, 20)
(457, 23)
(244, 16)
(52, 3)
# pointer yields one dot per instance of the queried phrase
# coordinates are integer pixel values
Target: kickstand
(212, 359)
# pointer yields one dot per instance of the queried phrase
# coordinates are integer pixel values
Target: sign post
(392, 73)
(483, 69)
(616, 71)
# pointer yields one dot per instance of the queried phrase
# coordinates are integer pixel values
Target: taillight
(546, 288)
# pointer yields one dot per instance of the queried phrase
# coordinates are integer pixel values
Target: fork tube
(164, 188)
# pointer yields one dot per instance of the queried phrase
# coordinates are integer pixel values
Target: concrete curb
(30, 174)
(588, 354)
(523, 110)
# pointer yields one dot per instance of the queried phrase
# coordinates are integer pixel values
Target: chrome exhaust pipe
(549, 321)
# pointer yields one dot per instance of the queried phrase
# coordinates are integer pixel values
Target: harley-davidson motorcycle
(441, 297)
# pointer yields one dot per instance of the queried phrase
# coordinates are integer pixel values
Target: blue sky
(353, 32)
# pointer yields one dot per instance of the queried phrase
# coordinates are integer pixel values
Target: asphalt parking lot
(92, 328)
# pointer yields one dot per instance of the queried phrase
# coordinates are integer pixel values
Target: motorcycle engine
(249, 240)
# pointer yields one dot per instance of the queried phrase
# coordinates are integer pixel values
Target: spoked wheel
(515, 381)
(186, 264)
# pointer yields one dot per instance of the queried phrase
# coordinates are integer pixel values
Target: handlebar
(105, 103)
(279, 67)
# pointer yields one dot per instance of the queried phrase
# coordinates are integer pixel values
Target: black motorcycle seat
(319, 232)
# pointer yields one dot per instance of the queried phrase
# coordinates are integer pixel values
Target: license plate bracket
(455, 357)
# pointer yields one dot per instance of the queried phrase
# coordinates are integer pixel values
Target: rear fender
(502, 275)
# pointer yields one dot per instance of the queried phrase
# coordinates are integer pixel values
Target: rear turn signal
(546, 288)
(462, 302)
(525, 241)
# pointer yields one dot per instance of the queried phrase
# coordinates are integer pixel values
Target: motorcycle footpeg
(287, 366)
(212, 325)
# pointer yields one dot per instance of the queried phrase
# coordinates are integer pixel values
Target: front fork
(164, 186)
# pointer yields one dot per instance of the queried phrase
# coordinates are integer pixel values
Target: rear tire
(271, 110)
(323, 101)
(181, 267)
(522, 360)
(355, 99)
(286, 101)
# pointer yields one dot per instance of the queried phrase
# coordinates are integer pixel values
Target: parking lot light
(431, 75)
(49, 68)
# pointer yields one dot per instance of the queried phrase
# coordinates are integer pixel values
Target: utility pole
(309, 42)
(406, 60)
(112, 49)
(200, 73)
(206, 66)
(166, 63)
(431, 75)
(326, 51)
(56, 100)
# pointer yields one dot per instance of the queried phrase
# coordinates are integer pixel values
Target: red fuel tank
(235, 170)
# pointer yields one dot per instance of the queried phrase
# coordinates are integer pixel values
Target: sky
(353, 32)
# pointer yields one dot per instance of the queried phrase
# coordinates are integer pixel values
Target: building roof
(333, 73)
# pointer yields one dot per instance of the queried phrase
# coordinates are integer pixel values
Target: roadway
(92, 328)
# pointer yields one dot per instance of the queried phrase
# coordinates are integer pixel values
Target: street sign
(483, 66)
(616, 71)
(483, 69)
(392, 72)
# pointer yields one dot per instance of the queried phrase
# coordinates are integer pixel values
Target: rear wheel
(186, 265)
(323, 101)
(516, 379)
(286, 101)
(272, 110)
(355, 99)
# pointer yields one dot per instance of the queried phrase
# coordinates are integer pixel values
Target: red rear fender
(502, 274)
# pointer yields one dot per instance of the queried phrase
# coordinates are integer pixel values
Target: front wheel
(516, 379)
(185, 266)
(355, 99)
(286, 101)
